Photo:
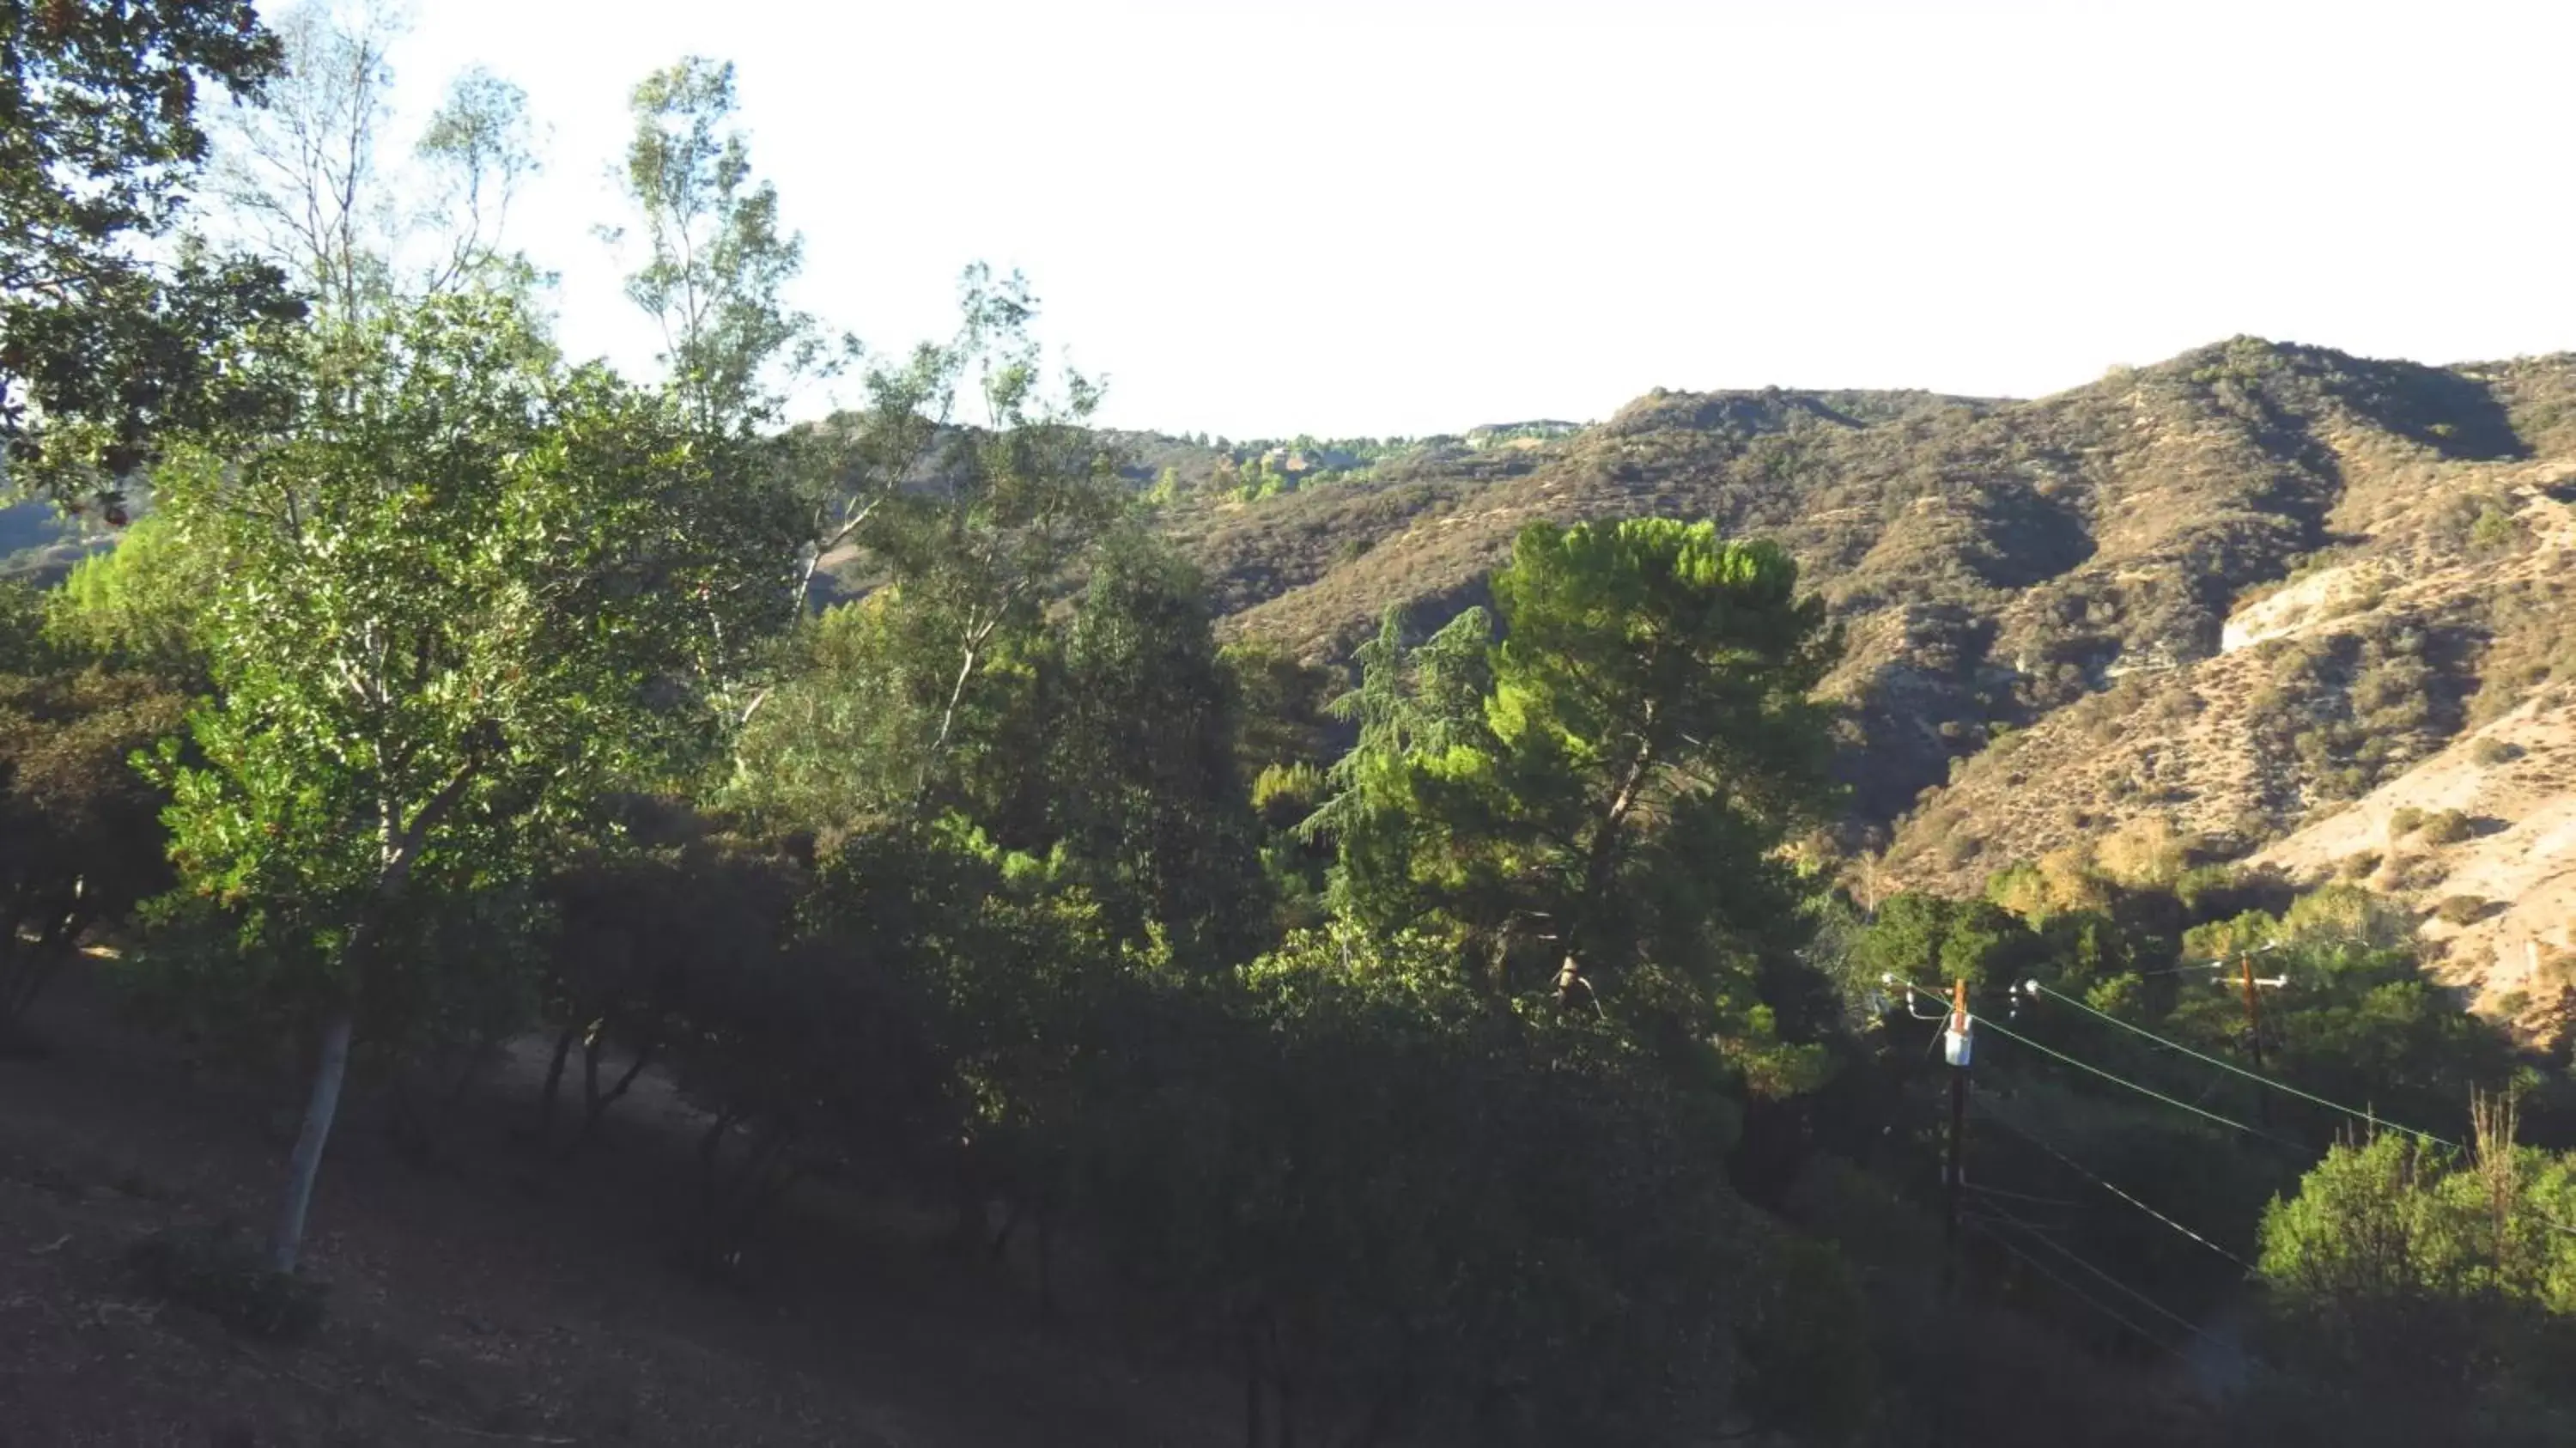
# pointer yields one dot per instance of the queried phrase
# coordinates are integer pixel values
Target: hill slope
(2231, 592)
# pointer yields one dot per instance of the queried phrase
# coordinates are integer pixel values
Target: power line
(2071, 1290)
(2072, 1165)
(2020, 1196)
(2226, 1065)
(2185, 1323)
(2080, 1065)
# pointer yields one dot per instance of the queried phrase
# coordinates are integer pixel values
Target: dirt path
(498, 1297)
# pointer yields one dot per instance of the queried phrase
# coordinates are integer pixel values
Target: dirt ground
(494, 1295)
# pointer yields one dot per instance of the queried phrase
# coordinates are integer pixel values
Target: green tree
(1569, 796)
(2427, 1280)
(898, 706)
(105, 341)
(716, 260)
(306, 177)
(1144, 785)
(1930, 942)
(1023, 492)
(1419, 1219)
(472, 591)
(138, 606)
(2356, 1018)
(840, 738)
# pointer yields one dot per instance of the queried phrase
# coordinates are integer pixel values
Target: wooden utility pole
(1957, 1047)
(2254, 1035)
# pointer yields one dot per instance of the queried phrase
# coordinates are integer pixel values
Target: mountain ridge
(2062, 595)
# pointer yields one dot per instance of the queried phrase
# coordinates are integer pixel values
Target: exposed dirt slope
(495, 1295)
(2498, 903)
(2360, 674)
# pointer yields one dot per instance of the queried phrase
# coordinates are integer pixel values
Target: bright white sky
(1264, 217)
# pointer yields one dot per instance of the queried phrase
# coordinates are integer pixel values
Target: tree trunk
(554, 1082)
(731, 1207)
(591, 1045)
(973, 1206)
(306, 1164)
(401, 851)
(23, 971)
(475, 1059)
(1601, 865)
(599, 1104)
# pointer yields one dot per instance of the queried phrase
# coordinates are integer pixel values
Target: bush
(2413, 872)
(2146, 853)
(2447, 828)
(2460, 909)
(2202, 883)
(2492, 752)
(2495, 529)
(2405, 820)
(2356, 867)
(217, 1271)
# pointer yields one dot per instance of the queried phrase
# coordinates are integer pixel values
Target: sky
(1268, 217)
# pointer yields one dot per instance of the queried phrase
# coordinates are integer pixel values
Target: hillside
(2232, 592)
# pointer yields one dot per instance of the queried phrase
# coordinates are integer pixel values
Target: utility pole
(2254, 1026)
(1958, 1047)
(2253, 1012)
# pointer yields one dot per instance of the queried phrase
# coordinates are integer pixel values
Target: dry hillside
(2235, 592)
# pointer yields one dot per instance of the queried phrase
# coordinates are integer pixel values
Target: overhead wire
(2142, 1299)
(2070, 1289)
(2019, 1196)
(2082, 1065)
(1990, 1114)
(2226, 1065)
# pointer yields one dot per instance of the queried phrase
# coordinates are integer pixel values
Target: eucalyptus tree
(716, 264)
(306, 179)
(899, 694)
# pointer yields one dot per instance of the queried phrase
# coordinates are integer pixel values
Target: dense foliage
(99, 142)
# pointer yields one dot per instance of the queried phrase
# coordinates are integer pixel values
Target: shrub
(2447, 828)
(2355, 867)
(2495, 529)
(2146, 853)
(1286, 793)
(2412, 872)
(2460, 909)
(219, 1272)
(2201, 882)
(2492, 752)
(2404, 820)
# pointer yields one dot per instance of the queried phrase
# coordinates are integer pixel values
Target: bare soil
(489, 1293)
